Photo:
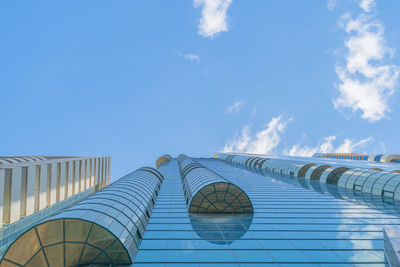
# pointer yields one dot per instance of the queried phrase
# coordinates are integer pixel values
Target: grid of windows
(291, 225)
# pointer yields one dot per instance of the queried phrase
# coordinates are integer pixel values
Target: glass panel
(72, 253)
(102, 259)
(8, 264)
(100, 237)
(89, 254)
(76, 230)
(55, 255)
(51, 232)
(38, 260)
(117, 253)
(24, 248)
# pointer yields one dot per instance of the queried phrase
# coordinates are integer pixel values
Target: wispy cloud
(366, 80)
(190, 56)
(268, 139)
(263, 142)
(331, 4)
(214, 16)
(326, 145)
(235, 107)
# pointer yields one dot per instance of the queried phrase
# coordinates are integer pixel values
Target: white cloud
(367, 5)
(331, 4)
(189, 56)
(192, 57)
(235, 107)
(326, 146)
(366, 80)
(214, 16)
(263, 142)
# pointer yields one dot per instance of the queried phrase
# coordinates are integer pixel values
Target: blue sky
(137, 79)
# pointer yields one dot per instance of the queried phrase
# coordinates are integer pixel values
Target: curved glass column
(367, 180)
(208, 192)
(104, 229)
(331, 175)
(314, 173)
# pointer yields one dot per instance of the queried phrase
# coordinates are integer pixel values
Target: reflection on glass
(221, 229)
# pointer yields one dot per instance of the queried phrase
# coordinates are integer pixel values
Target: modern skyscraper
(230, 210)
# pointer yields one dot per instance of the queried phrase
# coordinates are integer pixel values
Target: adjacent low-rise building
(33, 188)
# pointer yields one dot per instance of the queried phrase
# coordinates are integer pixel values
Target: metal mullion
(41, 247)
(84, 244)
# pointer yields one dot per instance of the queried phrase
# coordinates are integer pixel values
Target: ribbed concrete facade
(30, 184)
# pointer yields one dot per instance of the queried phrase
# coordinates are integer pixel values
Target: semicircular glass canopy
(221, 197)
(66, 242)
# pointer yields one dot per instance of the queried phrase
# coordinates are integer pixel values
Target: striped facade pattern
(379, 183)
(12, 160)
(32, 185)
(353, 156)
(104, 229)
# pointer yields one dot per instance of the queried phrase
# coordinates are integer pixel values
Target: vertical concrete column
(58, 181)
(62, 180)
(15, 207)
(94, 173)
(37, 187)
(90, 172)
(102, 172)
(48, 185)
(54, 183)
(6, 212)
(98, 173)
(105, 172)
(24, 189)
(70, 174)
(73, 177)
(43, 186)
(30, 190)
(109, 167)
(66, 179)
(80, 176)
(85, 175)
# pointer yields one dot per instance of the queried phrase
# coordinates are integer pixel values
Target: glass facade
(304, 212)
(296, 222)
